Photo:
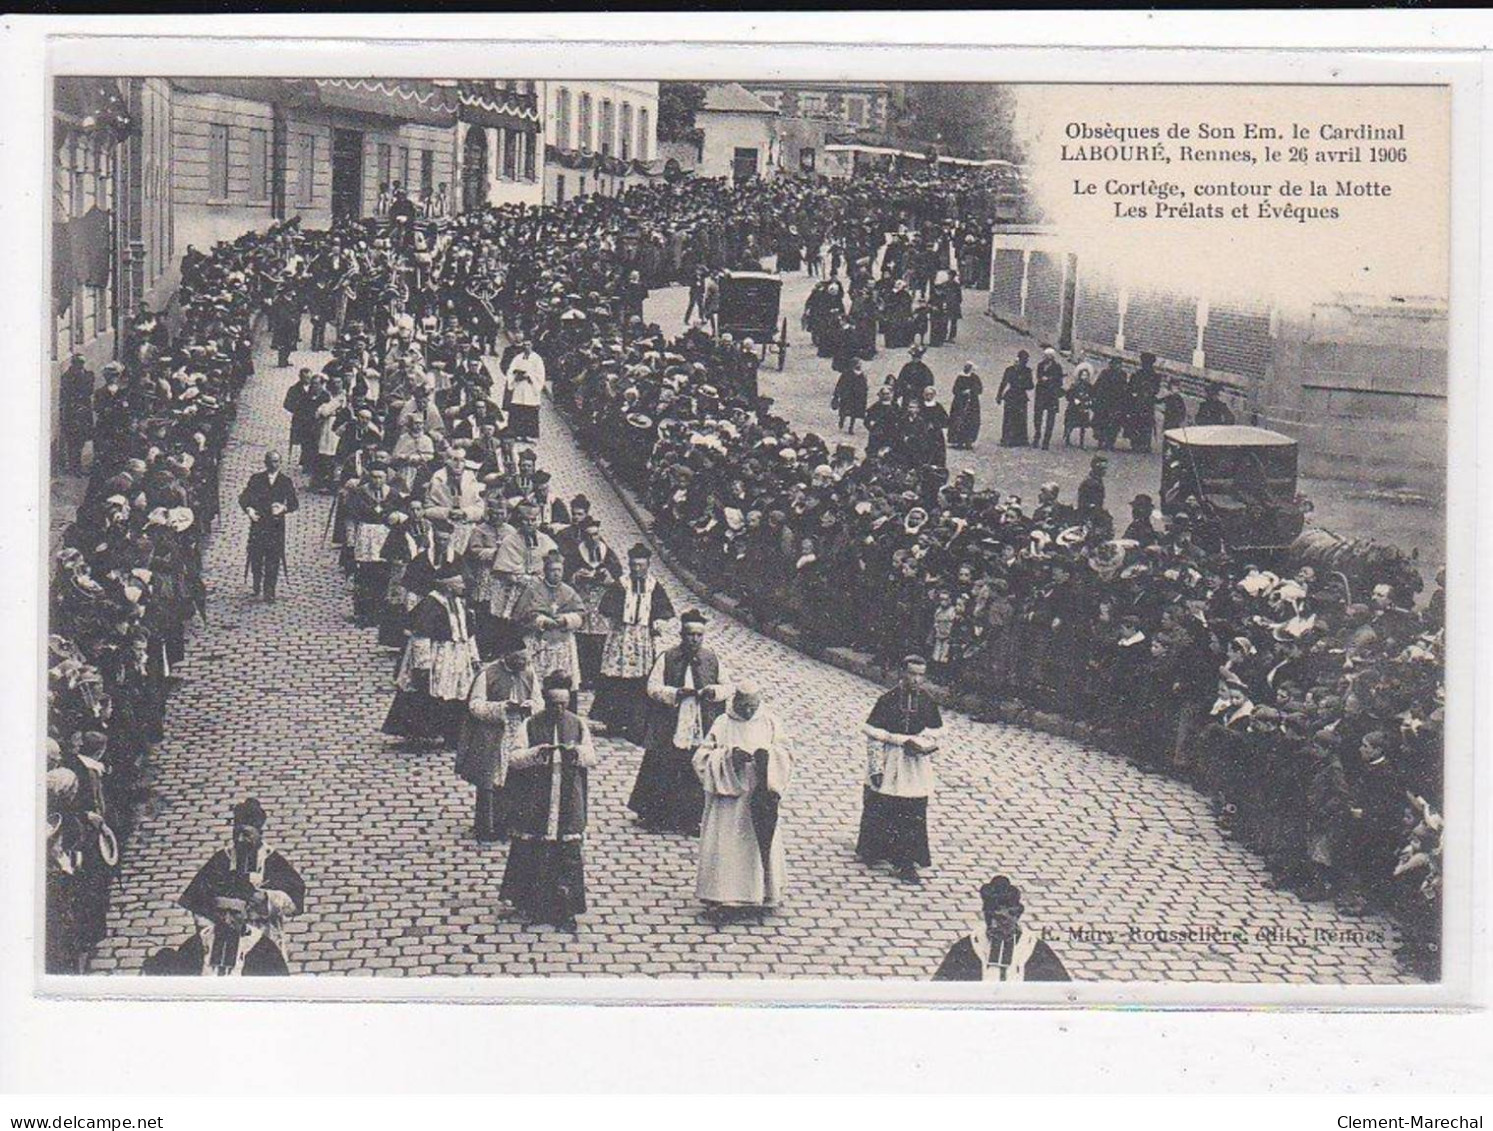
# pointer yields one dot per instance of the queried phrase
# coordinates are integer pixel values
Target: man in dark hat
(547, 792)
(75, 413)
(241, 898)
(285, 312)
(902, 735)
(913, 378)
(999, 948)
(1213, 410)
(1091, 490)
(1141, 530)
(267, 498)
(687, 689)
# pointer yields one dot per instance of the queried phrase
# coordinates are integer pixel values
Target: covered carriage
(1238, 481)
(749, 308)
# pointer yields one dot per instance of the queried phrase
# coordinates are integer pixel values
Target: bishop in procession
(687, 691)
(548, 789)
(437, 666)
(241, 899)
(550, 612)
(635, 609)
(503, 697)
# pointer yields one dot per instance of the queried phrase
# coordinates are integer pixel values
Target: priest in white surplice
(744, 766)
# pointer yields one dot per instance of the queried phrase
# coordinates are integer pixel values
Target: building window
(559, 188)
(562, 118)
(510, 155)
(855, 111)
(100, 297)
(305, 181)
(585, 119)
(581, 186)
(624, 136)
(217, 162)
(427, 173)
(385, 168)
(531, 142)
(607, 130)
(259, 166)
(404, 167)
(645, 135)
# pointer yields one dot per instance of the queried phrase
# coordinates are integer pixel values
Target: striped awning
(405, 100)
(498, 109)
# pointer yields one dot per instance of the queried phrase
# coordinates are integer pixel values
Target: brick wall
(1097, 319)
(1237, 339)
(1163, 324)
(1044, 294)
(1005, 284)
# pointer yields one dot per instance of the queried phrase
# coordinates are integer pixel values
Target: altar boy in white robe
(744, 767)
(902, 735)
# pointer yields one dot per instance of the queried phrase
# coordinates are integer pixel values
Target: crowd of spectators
(1304, 694)
(128, 576)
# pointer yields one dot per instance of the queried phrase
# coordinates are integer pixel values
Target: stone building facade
(1360, 381)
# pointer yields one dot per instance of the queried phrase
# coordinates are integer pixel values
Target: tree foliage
(678, 103)
(959, 119)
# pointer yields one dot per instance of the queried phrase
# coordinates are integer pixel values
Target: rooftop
(733, 98)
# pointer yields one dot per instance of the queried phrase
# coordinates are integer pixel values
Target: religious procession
(529, 643)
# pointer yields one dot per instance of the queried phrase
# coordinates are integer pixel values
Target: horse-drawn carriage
(749, 308)
(1238, 482)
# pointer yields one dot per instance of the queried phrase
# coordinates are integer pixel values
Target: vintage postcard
(521, 526)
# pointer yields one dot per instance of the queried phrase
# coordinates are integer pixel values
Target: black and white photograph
(745, 529)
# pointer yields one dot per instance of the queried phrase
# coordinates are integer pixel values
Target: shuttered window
(305, 185)
(217, 162)
(259, 165)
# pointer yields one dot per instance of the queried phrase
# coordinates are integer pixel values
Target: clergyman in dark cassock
(999, 948)
(902, 735)
(437, 666)
(267, 498)
(687, 690)
(547, 791)
(591, 566)
(240, 899)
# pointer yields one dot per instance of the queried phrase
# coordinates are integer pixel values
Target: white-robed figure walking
(744, 767)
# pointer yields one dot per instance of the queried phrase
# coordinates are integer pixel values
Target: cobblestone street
(285, 702)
